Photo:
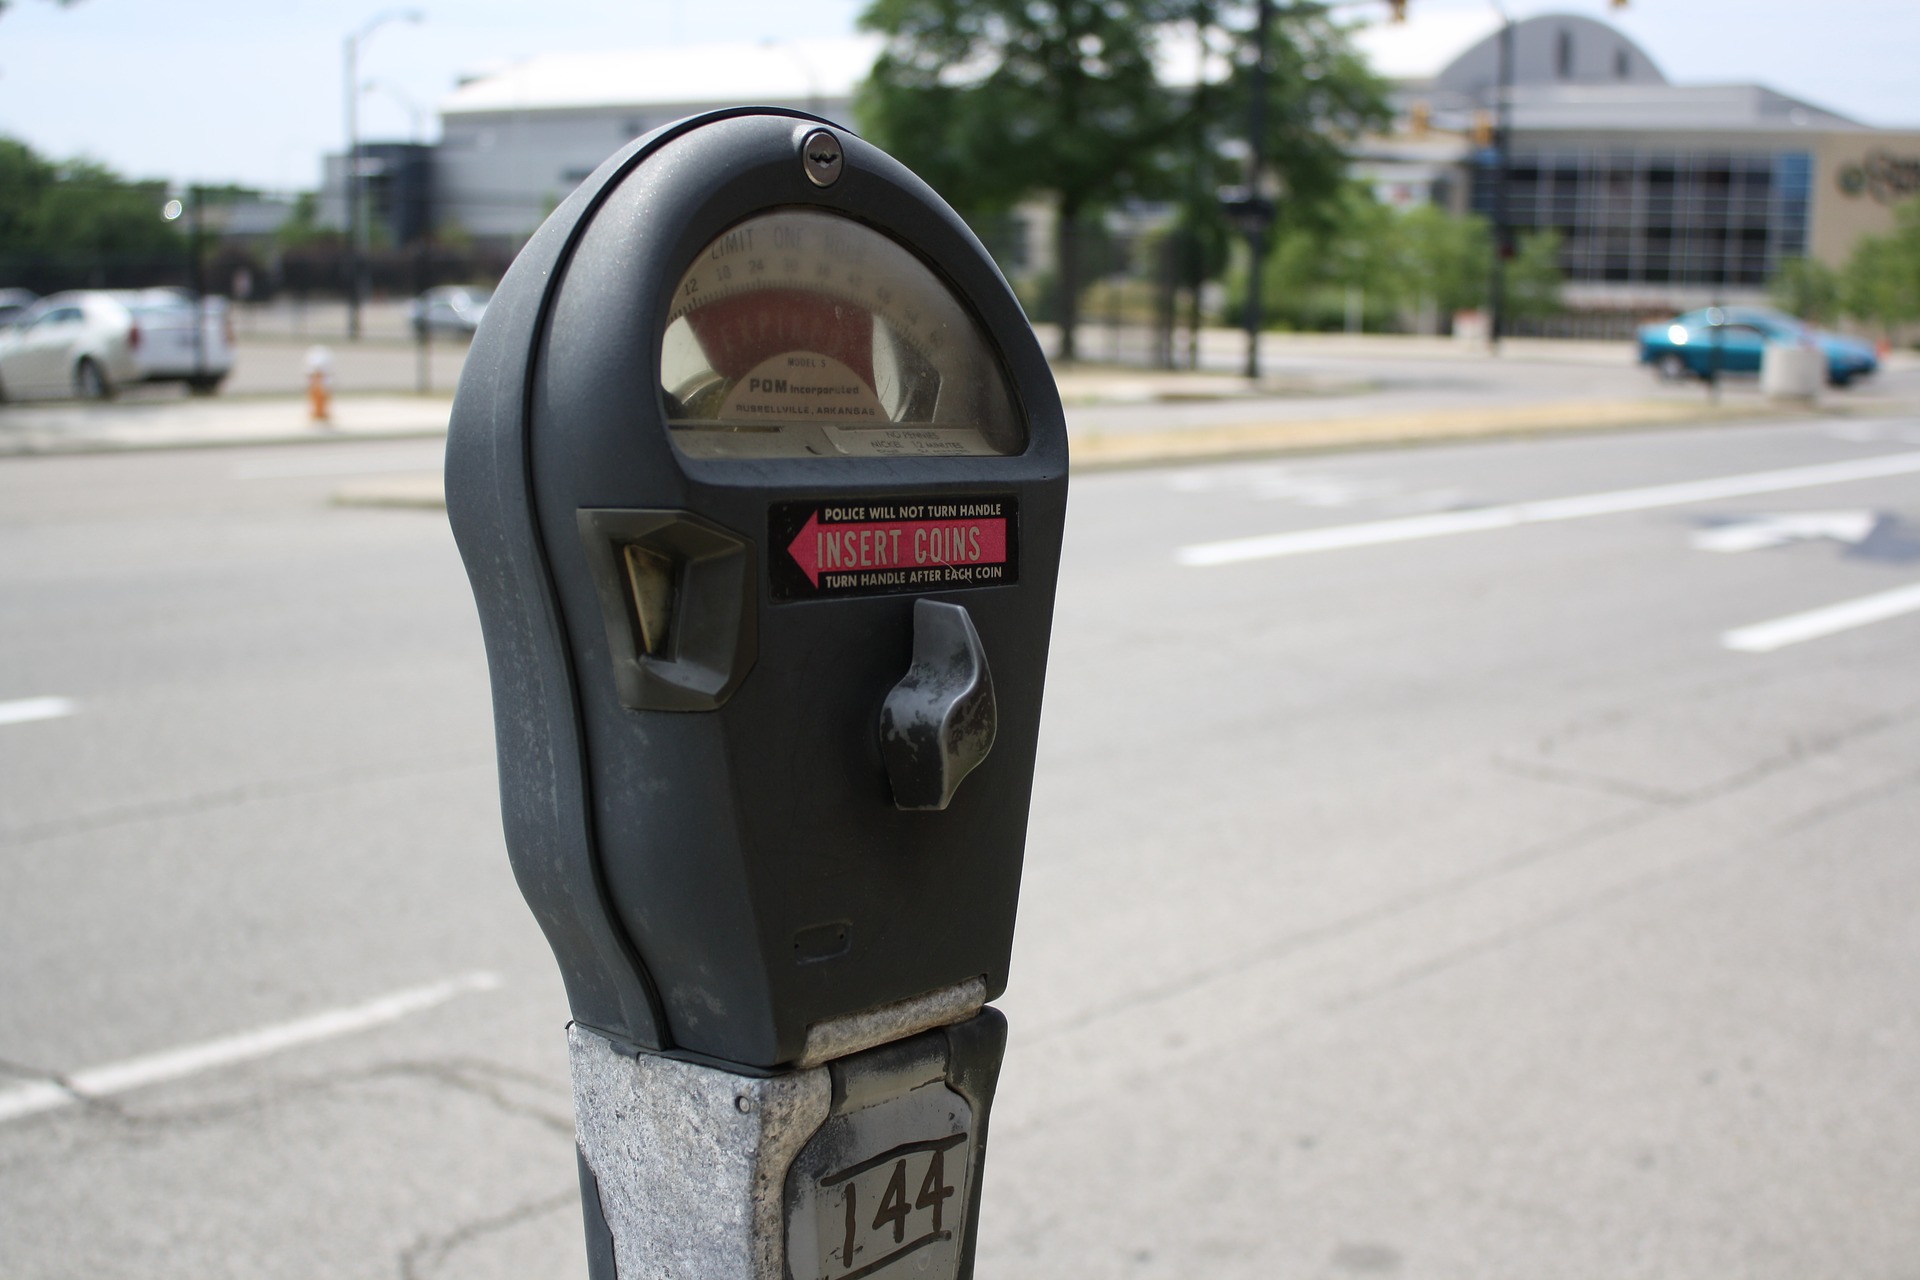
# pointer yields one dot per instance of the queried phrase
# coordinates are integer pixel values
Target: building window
(1563, 55)
(1620, 64)
(1687, 217)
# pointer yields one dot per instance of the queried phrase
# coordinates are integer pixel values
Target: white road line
(27, 1099)
(23, 710)
(1765, 637)
(172, 1064)
(1375, 533)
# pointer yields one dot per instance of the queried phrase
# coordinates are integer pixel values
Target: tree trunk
(1067, 276)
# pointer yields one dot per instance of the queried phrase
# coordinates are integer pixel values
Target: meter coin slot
(650, 575)
(676, 597)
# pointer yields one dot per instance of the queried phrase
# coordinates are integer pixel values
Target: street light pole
(1502, 125)
(1256, 164)
(351, 57)
(197, 282)
(352, 160)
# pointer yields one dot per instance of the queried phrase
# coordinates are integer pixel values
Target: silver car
(453, 308)
(90, 343)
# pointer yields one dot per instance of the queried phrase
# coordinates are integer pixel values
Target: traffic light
(1399, 8)
(1483, 128)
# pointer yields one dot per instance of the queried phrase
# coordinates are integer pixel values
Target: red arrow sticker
(879, 546)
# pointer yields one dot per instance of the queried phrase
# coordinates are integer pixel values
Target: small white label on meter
(802, 384)
(908, 442)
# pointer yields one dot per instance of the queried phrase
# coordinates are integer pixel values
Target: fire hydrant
(319, 392)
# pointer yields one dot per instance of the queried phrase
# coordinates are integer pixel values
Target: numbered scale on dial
(802, 333)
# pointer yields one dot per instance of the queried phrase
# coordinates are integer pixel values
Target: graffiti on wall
(1884, 176)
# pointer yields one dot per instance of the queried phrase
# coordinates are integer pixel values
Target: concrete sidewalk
(1117, 417)
(155, 423)
(1095, 450)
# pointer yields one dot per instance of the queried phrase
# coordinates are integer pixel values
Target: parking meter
(759, 476)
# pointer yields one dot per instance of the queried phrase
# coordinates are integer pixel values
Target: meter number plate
(834, 547)
(877, 1212)
(883, 1188)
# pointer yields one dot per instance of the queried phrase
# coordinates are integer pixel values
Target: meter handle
(939, 721)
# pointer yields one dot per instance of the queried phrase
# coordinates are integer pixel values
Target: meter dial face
(806, 334)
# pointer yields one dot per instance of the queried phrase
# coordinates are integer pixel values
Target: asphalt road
(1432, 893)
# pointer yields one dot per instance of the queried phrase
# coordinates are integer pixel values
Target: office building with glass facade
(1663, 195)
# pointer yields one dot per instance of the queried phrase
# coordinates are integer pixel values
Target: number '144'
(894, 1208)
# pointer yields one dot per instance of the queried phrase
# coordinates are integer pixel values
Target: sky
(251, 91)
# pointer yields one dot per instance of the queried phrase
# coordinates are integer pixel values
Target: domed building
(1665, 195)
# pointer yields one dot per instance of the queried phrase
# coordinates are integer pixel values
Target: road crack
(1799, 750)
(428, 1253)
(230, 798)
(478, 1078)
(1457, 886)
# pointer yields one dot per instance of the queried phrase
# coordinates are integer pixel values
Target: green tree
(1806, 287)
(1313, 263)
(302, 228)
(1292, 279)
(89, 209)
(62, 221)
(1880, 284)
(1443, 259)
(1533, 276)
(1320, 95)
(1414, 261)
(25, 179)
(1877, 286)
(994, 101)
(997, 101)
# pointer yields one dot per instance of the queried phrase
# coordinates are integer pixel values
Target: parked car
(1735, 338)
(13, 302)
(91, 343)
(167, 351)
(452, 308)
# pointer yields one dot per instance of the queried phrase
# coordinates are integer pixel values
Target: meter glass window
(806, 334)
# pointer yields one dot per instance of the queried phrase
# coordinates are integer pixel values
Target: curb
(424, 492)
(1097, 452)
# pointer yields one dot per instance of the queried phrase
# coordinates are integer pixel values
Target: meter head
(759, 475)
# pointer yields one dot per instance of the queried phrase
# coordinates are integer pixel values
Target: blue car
(1686, 345)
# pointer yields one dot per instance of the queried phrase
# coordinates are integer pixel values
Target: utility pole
(195, 280)
(1502, 127)
(1259, 217)
(351, 59)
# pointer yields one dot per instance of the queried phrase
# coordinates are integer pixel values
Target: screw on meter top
(807, 334)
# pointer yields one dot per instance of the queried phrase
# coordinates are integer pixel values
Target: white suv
(91, 343)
